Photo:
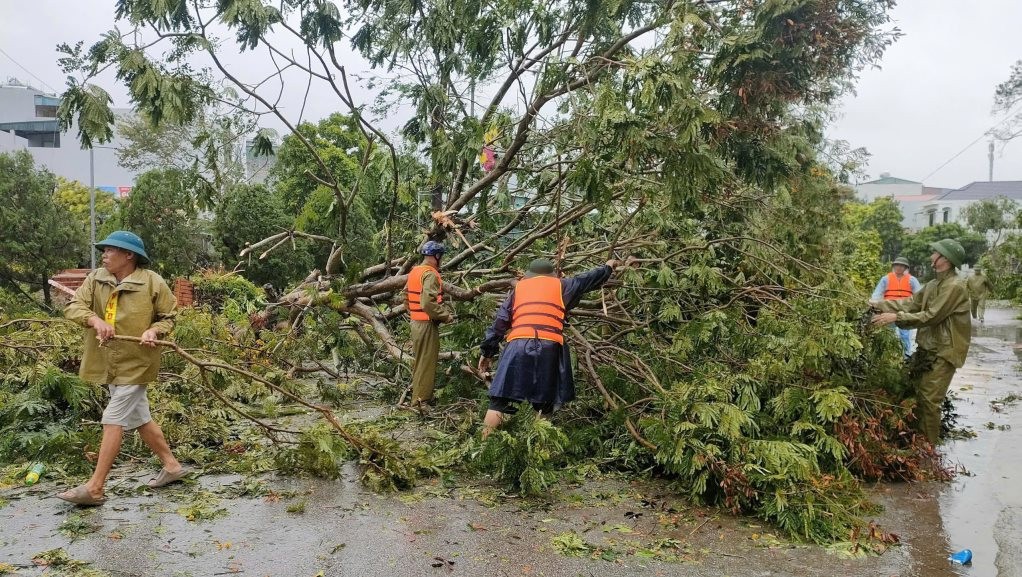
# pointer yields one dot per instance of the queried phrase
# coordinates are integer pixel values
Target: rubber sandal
(419, 408)
(164, 477)
(81, 496)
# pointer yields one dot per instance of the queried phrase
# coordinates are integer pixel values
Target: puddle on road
(982, 510)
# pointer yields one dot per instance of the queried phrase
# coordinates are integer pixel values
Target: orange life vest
(413, 291)
(898, 288)
(538, 310)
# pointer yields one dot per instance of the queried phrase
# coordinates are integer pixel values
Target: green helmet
(950, 249)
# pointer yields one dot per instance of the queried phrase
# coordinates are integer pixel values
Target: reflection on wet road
(982, 510)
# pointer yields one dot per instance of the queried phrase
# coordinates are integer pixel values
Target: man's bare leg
(152, 434)
(109, 447)
(491, 421)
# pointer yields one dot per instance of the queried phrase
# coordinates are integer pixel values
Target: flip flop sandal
(81, 496)
(421, 409)
(165, 478)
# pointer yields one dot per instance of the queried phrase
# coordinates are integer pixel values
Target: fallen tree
(686, 134)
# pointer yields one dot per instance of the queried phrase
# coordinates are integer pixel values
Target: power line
(27, 71)
(971, 144)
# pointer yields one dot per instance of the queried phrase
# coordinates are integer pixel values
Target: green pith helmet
(902, 261)
(541, 266)
(950, 249)
(128, 241)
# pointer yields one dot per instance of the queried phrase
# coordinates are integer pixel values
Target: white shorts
(128, 408)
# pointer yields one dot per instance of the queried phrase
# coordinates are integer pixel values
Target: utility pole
(92, 202)
(990, 156)
(92, 208)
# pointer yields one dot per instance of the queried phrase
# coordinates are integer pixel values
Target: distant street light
(92, 203)
(92, 209)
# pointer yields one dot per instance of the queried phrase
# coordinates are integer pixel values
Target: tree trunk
(46, 290)
(436, 197)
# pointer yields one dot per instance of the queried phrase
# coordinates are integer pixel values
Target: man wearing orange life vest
(535, 366)
(424, 293)
(895, 285)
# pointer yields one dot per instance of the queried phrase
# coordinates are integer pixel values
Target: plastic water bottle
(34, 473)
(963, 557)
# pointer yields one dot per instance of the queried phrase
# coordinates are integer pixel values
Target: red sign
(123, 191)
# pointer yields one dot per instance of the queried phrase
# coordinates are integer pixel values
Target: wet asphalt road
(434, 531)
(982, 509)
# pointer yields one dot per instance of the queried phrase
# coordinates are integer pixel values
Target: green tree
(862, 246)
(354, 217)
(75, 197)
(247, 214)
(684, 132)
(207, 150)
(298, 172)
(40, 235)
(162, 210)
(917, 246)
(1004, 268)
(886, 219)
(335, 213)
(996, 215)
(882, 216)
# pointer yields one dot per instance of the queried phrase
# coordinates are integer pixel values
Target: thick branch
(324, 411)
(590, 368)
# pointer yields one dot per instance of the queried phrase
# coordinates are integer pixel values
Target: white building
(926, 209)
(28, 121)
(913, 197)
(955, 201)
(887, 185)
(923, 206)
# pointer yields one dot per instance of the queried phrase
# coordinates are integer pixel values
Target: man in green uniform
(979, 289)
(941, 313)
(424, 291)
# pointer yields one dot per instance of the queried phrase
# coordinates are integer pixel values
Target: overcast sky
(929, 100)
(934, 91)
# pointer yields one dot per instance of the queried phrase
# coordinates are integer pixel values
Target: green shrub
(42, 400)
(214, 287)
(526, 453)
(14, 304)
(320, 452)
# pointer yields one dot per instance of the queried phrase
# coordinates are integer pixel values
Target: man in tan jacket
(123, 298)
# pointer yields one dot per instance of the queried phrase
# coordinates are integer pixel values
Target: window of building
(46, 106)
(44, 111)
(43, 140)
(947, 215)
(932, 214)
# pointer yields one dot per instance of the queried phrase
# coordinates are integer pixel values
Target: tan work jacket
(145, 302)
(979, 286)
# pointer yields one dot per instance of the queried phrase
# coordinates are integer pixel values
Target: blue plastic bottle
(963, 557)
